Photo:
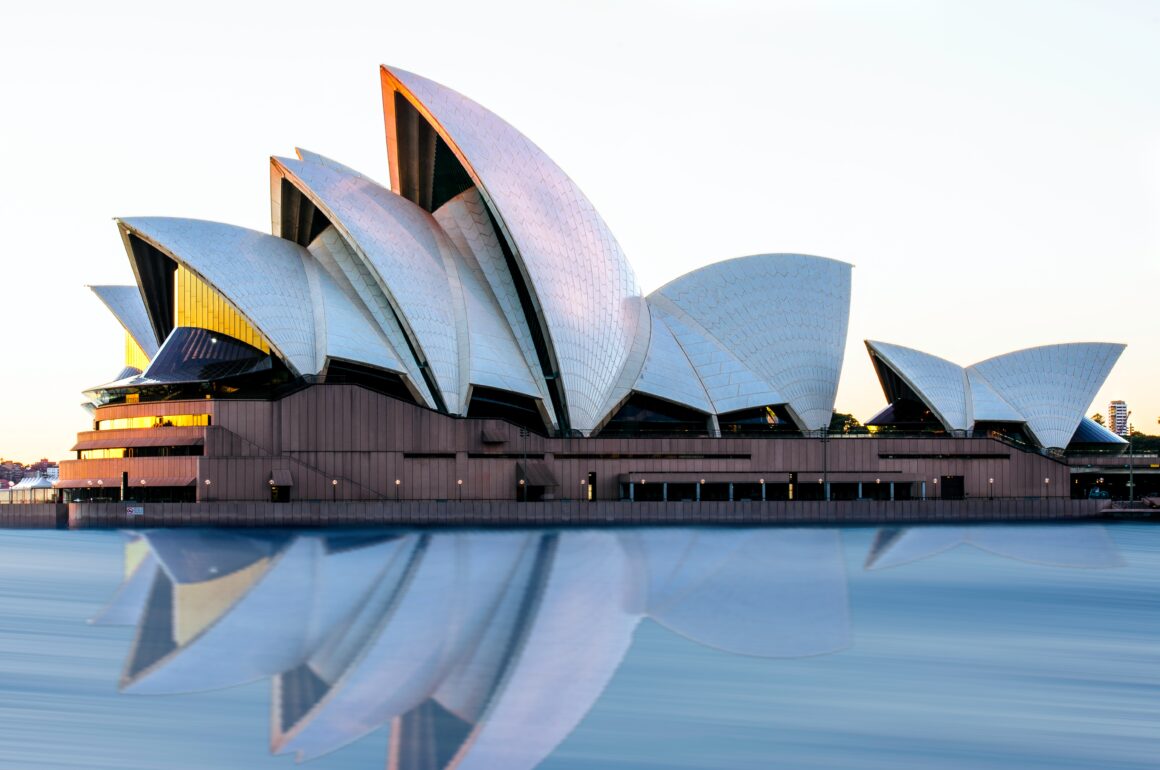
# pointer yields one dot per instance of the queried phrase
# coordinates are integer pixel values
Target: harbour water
(926, 647)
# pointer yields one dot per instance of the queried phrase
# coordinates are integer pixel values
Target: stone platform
(560, 513)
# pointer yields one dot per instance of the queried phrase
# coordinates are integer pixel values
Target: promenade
(559, 513)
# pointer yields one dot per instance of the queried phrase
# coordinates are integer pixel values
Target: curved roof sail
(576, 276)
(126, 304)
(784, 316)
(1052, 385)
(409, 265)
(1045, 388)
(939, 383)
(261, 276)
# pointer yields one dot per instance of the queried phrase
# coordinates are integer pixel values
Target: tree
(845, 423)
(1098, 418)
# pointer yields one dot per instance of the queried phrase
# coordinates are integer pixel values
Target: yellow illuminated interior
(155, 421)
(197, 605)
(101, 454)
(134, 355)
(198, 304)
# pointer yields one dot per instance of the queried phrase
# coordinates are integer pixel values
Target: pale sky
(992, 169)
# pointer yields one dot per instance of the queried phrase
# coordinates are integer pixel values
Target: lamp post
(826, 462)
(934, 491)
(397, 483)
(990, 489)
(523, 491)
(208, 482)
(333, 490)
(100, 489)
(459, 488)
(1131, 466)
(1046, 487)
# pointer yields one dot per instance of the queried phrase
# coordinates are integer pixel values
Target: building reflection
(486, 649)
(1076, 545)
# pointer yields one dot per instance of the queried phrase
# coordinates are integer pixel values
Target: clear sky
(992, 169)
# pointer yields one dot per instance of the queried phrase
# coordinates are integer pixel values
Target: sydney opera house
(475, 332)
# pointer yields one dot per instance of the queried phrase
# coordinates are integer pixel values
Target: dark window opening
(449, 178)
(715, 491)
(1010, 431)
(380, 381)
(153, 451)
(493, 403)
(906, 413)
(648, 493)
(302, 221)
(760, 421)
(646, 415)
(136, 494)
(538, 332)
(952, 487)
(155, 271)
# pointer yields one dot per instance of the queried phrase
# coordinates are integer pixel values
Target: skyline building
(1118, 417)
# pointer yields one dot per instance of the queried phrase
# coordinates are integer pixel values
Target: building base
(579, 513)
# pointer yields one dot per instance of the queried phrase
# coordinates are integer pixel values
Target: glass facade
(134, 355)
(197, 304)
(117, 453)
(165, 421)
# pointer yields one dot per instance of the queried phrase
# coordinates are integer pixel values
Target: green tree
(845, 423)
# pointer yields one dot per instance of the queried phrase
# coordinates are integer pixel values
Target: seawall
(570, 513)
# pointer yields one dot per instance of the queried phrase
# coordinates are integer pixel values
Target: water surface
(997, 647)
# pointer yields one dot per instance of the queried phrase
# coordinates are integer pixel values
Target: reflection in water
(481, 649)
(1080, 545)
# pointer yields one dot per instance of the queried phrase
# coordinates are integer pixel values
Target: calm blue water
(995, 647)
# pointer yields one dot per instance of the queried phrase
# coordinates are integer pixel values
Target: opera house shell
(480, 307)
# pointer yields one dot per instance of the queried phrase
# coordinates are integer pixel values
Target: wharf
(555, 513)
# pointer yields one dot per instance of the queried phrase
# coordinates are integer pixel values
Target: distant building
(1118, 418)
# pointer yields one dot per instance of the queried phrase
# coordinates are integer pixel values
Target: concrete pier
(576, 513)
(34, 516)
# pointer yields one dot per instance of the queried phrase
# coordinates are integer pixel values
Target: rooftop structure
(1039, 393)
